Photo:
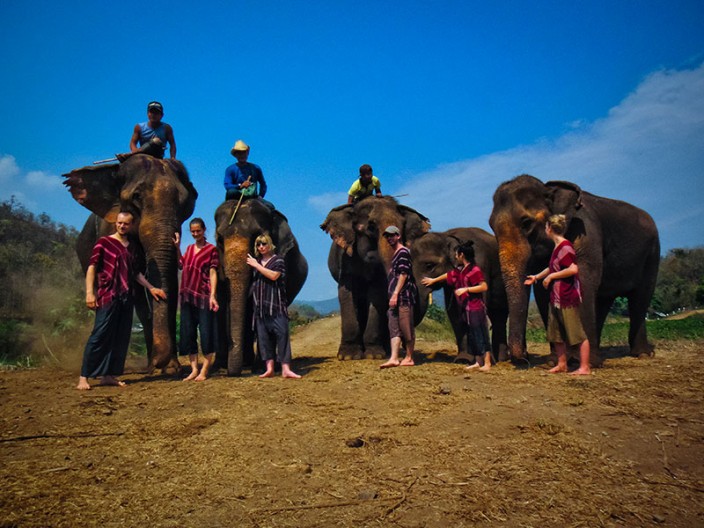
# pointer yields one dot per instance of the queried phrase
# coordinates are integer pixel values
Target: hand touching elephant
(161, 196)
(617, 245)
(235, 241)
(359, 263)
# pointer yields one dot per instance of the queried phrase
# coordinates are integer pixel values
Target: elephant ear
(189, 201)
(339, 224)
(97, 189)
(285, 241)
(563, 197)
(415, 224)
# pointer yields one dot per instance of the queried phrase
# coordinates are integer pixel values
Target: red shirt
(113, 263)
(564, 293)
(463, 278)
(195, 279)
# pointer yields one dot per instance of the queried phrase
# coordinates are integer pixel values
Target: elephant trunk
(238, 274)
(162, 272)
(514, 255)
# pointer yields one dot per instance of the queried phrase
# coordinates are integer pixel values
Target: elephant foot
(346, 352)
(168, 365)
(374, 352)
(463, 357)
(503, 354)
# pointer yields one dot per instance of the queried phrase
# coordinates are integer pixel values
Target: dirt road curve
(351, 445)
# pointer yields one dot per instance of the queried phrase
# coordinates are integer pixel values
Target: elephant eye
(429, 265)
(526, 223)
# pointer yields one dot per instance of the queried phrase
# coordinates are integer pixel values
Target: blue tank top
(146, 133)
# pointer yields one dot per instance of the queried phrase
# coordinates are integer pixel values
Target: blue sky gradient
(445, 100)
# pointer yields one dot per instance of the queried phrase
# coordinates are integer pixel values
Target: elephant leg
(603, 305)
(638, 303)
(499, 338)
(376, 334)
(144, 314)
(351, 346)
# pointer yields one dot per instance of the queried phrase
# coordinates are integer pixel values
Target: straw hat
(240, 146)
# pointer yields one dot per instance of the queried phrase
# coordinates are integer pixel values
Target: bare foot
(201, 377)
(581, 372)
(485, 368)
(390, 364)
(112, 381)
(83, 384)
(193, 375)
(267, 374)
(407, 362)
(557, 370)
(290, 374)
(472, 366)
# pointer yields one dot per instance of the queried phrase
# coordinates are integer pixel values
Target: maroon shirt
(113, 264)
(464, 278)
(195, 279)
(564, 293)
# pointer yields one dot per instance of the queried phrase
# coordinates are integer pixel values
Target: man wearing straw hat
(243, 178)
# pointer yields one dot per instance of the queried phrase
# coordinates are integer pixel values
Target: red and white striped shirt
(195, 279)
(113, 263)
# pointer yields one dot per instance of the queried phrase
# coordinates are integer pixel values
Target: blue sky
(444, 99)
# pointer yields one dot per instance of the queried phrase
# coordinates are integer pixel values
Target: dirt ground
(352, 445)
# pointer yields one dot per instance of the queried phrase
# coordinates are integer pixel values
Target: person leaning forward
(243, 178)
(364, 186)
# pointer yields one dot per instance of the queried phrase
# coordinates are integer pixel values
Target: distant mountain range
(329, 306)
(325, 307)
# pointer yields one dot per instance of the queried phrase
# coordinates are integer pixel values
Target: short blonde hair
(264, 237)
(558, 224)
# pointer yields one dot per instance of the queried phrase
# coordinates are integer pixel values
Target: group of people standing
(113, 264)
(114, 268)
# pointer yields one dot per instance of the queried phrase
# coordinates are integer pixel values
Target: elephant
(618, 254)
(433, 254)
(359, 263)
(160, 195)
(235, 239)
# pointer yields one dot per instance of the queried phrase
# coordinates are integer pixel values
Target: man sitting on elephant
(243, 178)
(153, 134)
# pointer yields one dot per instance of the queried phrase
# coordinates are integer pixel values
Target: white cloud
(322, 203)
(8, 168)
(648, 150)
(43, 180)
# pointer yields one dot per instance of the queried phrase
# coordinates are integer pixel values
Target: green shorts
(565, 326)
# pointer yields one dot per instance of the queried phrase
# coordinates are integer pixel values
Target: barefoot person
(564, 323)
(112, 261)
(270, 307)
(468, 282)
(199, 281)
(402, 297)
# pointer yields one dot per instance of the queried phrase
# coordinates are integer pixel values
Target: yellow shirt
(359, 191)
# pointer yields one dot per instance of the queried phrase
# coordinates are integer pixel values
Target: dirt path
(351, 445)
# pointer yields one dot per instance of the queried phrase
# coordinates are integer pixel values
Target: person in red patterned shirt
(468, 282)
(564, 322)
(112, 261)
(199, 282)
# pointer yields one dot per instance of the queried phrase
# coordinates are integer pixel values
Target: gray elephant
(618, 253)
(434, 254)
(235, 239)
(161, 196)
(359, 260)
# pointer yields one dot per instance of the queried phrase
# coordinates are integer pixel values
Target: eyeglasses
(262, 244)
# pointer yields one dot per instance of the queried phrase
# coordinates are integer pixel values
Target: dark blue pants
(272, 338)
(477, 333)
(106, 349)
(193, 318)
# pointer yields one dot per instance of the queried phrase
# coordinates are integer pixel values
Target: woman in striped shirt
(197, 294)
